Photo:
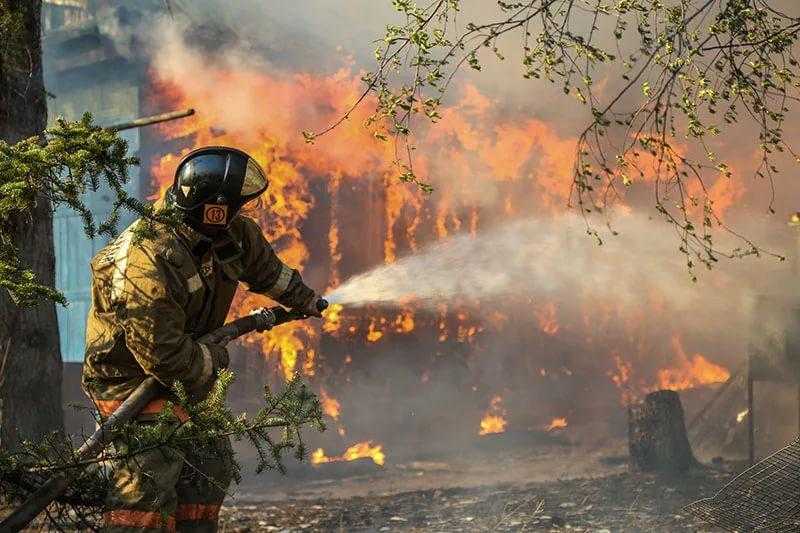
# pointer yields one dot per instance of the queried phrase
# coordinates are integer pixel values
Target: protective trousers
(169, 489)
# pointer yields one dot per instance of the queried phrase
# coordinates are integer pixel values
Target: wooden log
(153, 119)
(657, 437)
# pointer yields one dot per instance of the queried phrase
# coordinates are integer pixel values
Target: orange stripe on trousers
(197, 511)
(140, 519)
(107, 407)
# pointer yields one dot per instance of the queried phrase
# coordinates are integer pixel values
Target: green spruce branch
(275, 431)
(69, 161)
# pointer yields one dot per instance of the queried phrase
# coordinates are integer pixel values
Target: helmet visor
(255, 182)
(197, 179)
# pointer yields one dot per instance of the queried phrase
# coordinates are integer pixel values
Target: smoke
(496, 128)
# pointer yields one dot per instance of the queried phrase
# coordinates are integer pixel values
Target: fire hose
(260, 320)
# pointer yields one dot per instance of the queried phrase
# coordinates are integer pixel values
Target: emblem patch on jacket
(215, 214)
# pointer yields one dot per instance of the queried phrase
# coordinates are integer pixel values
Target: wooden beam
(153, 119)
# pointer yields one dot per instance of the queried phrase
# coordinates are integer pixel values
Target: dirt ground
(504, 483)
(546, 488)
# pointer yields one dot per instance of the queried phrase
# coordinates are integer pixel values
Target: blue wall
(73, 252)
(110, 101)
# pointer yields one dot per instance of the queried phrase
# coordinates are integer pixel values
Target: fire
(494, 420)
(623, 373)
(491, 157)
(690, 373)
(491, 424)
(361, 450)
(487, 166)
(330, 405)
(556, 423)
(546, 316)
(466, 333)
(621, 378)
(319, 457)
(404, 323)
(397, 198)
(365, 450)
(741, 416)
(333, 231)
(373, 334)
(231, 111)
(333, 318)
(289, 341)
(309, 366)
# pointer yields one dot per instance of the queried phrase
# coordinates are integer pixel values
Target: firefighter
(151, 299)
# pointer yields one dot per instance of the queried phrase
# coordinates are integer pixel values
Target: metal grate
(765, 497)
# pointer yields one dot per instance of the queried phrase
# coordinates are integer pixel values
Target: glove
(219, 356)
(215, 358)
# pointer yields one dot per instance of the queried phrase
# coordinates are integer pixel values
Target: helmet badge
(215, 214)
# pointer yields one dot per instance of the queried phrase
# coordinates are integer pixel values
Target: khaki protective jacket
(152, 298)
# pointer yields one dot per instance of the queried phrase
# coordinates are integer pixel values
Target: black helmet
(213, 183)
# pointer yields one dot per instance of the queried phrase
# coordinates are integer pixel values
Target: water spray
(533, 258)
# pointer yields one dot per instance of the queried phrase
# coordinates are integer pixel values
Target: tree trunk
(30, 358)
(657, 434)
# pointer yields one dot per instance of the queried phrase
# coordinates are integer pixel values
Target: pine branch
(69, 162)
(274, 431)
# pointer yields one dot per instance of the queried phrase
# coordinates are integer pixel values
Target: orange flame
(333, 318)
(690, 373)
(373, 334)
(494, 420)
(621, 378)
(556, 423)
(334, 184)
(330, 405)
(361, 450)
(491, 424)
(404, 323)
(546, 316)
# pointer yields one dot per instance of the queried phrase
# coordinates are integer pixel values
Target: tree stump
(657, 434)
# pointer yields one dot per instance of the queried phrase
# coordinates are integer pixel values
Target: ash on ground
(549, 488)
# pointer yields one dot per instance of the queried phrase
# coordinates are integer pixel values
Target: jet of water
(537, 258)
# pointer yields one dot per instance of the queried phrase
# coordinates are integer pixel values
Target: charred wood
(657, 437)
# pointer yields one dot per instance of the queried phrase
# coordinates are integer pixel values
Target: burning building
(568, 332)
